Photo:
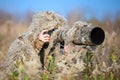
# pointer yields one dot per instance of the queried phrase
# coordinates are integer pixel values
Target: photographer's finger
(46, 35)
(46, 38)
(43, 31)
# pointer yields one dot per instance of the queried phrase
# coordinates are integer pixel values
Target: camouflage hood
(45, 20)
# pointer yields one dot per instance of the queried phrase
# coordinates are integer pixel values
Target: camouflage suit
(23, 53)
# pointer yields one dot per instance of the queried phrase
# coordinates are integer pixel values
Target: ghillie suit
(22, 56)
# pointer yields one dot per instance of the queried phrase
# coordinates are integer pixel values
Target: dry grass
(8, 32)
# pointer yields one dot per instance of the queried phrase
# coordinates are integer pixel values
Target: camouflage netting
(23, 59)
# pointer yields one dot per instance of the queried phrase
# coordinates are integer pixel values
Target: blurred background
(16, 16)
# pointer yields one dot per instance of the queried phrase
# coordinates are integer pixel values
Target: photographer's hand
(44, 37)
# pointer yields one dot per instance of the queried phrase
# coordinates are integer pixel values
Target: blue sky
(92, 7)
